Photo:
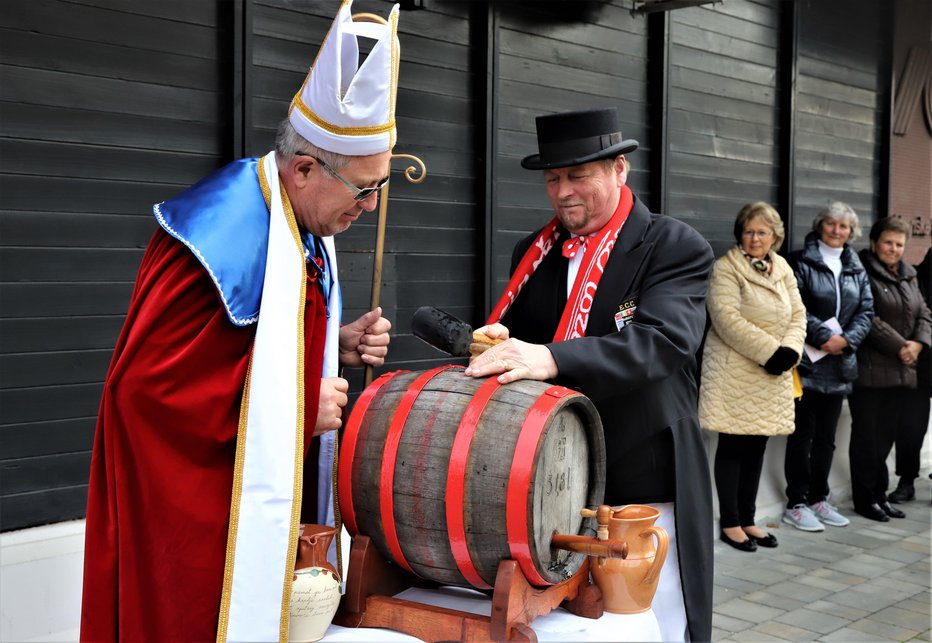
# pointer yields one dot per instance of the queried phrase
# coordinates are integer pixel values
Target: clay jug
(628, 585)
(315, 594)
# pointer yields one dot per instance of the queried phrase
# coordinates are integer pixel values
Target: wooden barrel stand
(371, 583)
(456, 481)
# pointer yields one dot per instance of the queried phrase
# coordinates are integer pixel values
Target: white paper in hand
(815, 354)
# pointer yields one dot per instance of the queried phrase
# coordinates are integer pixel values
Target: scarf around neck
(598, 248)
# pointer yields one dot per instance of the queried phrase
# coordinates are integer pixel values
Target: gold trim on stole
(224, 617)
(225, 597)
(299, 433)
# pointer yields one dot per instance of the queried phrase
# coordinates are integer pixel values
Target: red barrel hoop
(449, 475)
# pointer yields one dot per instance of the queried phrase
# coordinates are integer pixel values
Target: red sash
(578, 304)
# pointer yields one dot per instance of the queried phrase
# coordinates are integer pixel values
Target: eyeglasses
(359, 194)
(760, 234)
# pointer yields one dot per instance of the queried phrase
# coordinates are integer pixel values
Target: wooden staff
(414, 174)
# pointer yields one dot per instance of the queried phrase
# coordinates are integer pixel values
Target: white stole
(266, 501)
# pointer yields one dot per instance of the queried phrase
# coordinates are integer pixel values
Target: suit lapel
(622, 272)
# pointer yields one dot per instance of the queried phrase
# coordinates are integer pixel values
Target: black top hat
(574, 138)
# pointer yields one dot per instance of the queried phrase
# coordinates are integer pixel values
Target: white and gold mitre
(346, 107)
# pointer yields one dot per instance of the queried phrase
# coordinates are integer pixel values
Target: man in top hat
(609, 299)
(224, 388)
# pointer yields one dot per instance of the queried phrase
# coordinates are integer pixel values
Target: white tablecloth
(559, 625)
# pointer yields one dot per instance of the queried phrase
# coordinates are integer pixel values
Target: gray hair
(839, 211)
(288, 144)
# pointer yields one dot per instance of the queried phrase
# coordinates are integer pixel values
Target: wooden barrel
(449, 475)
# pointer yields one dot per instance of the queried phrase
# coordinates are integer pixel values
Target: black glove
(781, 361)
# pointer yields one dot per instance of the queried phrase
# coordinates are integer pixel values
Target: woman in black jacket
(908, 441)
(839, 307)
(881, 402)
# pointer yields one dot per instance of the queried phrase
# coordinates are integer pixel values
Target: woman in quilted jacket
(758, 324)
(881, 401)
(839, 308)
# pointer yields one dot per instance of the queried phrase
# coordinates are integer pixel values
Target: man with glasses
(359, 194)
(215, 436)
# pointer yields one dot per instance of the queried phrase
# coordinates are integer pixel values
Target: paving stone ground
(868, 581)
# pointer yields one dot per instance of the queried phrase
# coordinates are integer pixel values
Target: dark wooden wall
(109, 106)
(722, 123)
(554, 57)
(843, 110)
(106, 107)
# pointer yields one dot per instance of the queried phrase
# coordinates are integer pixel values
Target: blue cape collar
(224, 221)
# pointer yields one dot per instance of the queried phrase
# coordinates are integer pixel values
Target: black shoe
(874, 512)
(905, 491)
(767, 541)
(891, 511)
(746, 545)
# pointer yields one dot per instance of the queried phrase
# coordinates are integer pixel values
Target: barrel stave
(572, 431)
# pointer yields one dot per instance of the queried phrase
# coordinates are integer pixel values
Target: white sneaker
(802, 517)
(829, 514)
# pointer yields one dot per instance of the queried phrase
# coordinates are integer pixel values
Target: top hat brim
(534, 162)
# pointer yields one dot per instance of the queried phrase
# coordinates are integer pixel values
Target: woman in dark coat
(881, 402)
(839, 307)
(908, 441)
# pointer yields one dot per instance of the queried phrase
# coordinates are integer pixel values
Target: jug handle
(662, 542)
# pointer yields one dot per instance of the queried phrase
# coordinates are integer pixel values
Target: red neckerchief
(597, 250)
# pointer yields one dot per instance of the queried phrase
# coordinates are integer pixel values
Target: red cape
(162, 470)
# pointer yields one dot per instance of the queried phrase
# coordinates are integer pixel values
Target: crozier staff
(630, 347)
(224, 388)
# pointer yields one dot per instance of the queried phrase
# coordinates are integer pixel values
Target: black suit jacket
(642, 378)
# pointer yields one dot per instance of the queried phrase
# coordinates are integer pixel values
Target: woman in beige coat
(758, 324)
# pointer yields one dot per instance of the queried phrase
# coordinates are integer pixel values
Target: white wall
(40, 582)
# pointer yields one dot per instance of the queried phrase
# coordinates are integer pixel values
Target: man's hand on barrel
(365, 341)
(332, 402)
(512, 359)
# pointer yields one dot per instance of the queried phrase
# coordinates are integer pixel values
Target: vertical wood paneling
(842, 79)
(722, 127)
(105, 108)
(556, 57)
